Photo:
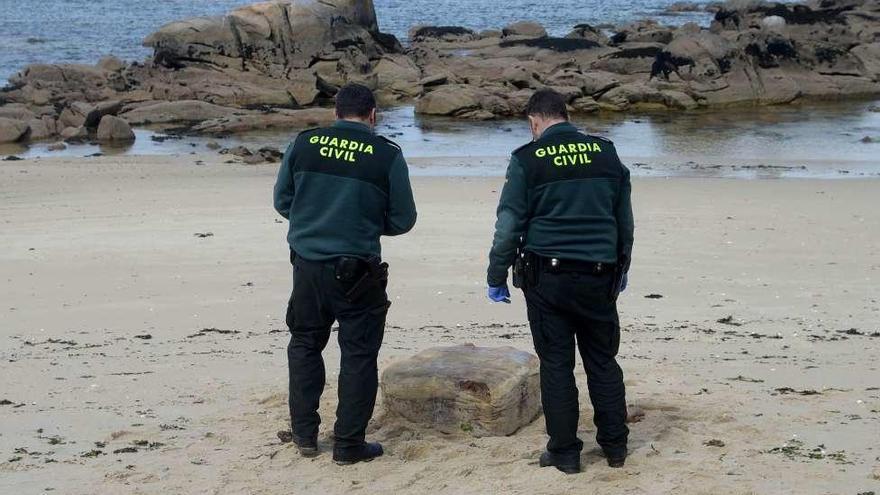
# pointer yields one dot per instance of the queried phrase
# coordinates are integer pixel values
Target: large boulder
(525, 28)
(12, 130)
(646, 97)
(478, 390)
(701, 55)
(175, 112)
(97, 112)
(274, 37)
(114, 129)
(630, 58)
(449, 100)
(16, 111)
(42, 128)
(643, 32)
(590, 82)
(74, 134)
(399, 74)
(252, 121)
(868, 55)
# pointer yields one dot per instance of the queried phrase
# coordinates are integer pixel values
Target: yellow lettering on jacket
(346, 150)
(567, 154)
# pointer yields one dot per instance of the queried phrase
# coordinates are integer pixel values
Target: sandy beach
(142, 339)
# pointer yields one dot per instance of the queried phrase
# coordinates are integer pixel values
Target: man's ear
(373, 116)
(533, 126)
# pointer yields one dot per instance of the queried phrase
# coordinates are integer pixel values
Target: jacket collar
(560, 128)
(351, 125)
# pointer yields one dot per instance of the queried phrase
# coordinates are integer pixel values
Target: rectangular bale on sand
(484, 391)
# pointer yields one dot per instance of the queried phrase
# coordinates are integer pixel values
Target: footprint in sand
(634, 414)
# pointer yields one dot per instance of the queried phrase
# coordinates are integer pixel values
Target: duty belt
(561, 265)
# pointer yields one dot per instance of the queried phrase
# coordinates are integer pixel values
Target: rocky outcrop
(479, 391)
(226, 71)
(275, 37)
(264, 65)
(754, 53)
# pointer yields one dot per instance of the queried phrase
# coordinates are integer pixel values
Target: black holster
(620, 272)
(361, 276)
(525, 270)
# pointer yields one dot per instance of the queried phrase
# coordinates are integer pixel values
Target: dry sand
(97, 254)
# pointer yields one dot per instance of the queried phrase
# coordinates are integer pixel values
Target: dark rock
(554, 44)
(588, 32)
(96, 113)
(443, 33)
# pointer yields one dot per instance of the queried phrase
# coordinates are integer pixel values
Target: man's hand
(499, 294)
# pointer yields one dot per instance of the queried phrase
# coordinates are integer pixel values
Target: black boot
(566, 464)
(308, 447)
(616, 460)
(364, 453)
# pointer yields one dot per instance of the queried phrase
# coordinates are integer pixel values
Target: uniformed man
(342, 188)
(565, 221)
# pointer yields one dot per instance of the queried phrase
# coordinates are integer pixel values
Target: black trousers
(317, 301)
(565, 308)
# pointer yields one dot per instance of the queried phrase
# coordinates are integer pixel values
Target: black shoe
(615, 460)
(364, 453)
(308, 447)
(568, 464)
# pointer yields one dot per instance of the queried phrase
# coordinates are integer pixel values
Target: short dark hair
(547, 103)
(355, 100)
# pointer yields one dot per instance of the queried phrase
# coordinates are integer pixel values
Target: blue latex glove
(625, 282)
(499, 294)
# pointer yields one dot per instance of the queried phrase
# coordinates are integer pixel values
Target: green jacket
(567, 196)
(342, 188)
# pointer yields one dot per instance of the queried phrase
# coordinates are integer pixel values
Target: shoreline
(492, 167)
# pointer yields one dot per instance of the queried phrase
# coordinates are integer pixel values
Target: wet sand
(139, 357)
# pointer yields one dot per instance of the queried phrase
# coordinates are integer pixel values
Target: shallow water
(83, 30)
(810, 141)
